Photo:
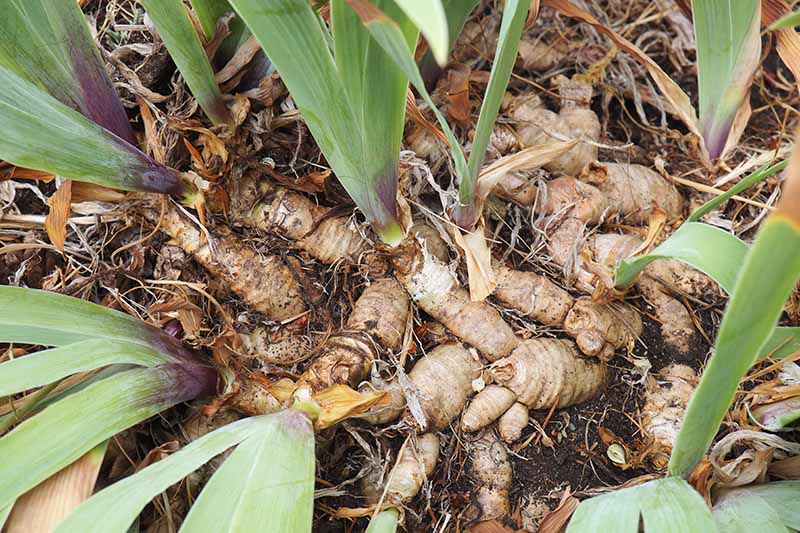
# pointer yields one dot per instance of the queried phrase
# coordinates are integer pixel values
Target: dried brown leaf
(221, 32)
(788, 468)
(754, 451)
(490, 526)
(789, 203)
(339, 402)
(90, 192)
(158, 453)
(313, 182)
(265, 91)
(530, 158)
(478, 257)
(240, 109)
(213, 146)
(686, 7)
(31, 174)
(214, 153)
(788, 40)
(353, 512)
(404, 213)
(191, 321)
(244, 54)
(283, 389)
(738, 125)
(198, 163)
(198, 28)
(458, 109)
(533, 14)
(607, 436)
(181, 308)
(655, 225)
(555, 520)
(152, 146)
(700, 479)
(418, 118)
(135, 85)
(199, 206)
(56, 221)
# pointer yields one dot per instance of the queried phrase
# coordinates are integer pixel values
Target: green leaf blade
(297, 43)
(746, 183)
(32, 316)
(770, 508)
(292, 37)
(457, 13)
(44, 134)
(129, 496)
(276, 466)
(617, 511)
(718, 254)
(390, 37)
(728, 49)
(781, 496)
(59, 54)
(515, 14)
(351, 46)
(691, 244)
(376, 87)
(672, 506)
(4, 514)
(384, 522)
(81, 421)
(789, 21)
(784, 342)
(176, 30)
(749, 321)
(208, 13)
(430, 17)
(48, 366)
(668, 505)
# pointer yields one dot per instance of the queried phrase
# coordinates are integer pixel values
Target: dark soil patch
(660, 354)
(578, 457)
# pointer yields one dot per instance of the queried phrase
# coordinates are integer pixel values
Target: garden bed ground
(113, 258)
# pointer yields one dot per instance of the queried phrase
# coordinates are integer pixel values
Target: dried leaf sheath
(434, 289)
(46, 505)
